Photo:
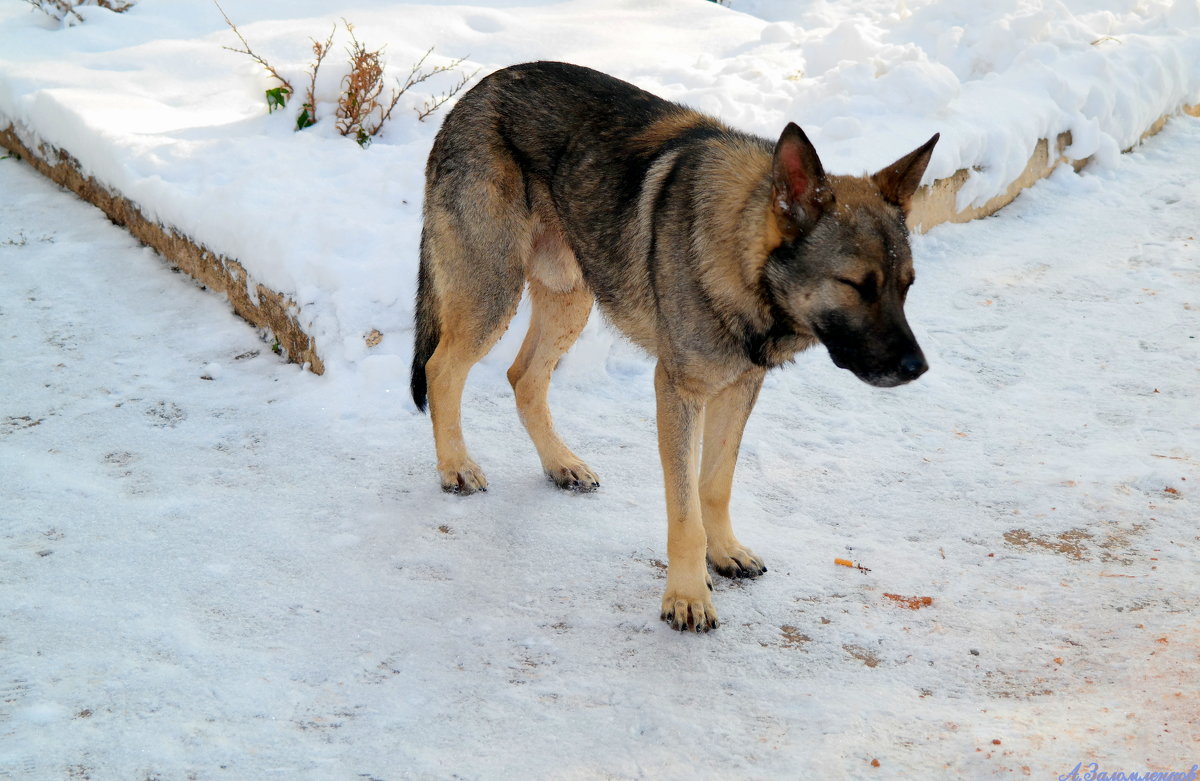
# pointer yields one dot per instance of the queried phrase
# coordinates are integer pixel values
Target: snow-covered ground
(214, 565)
(257, 576)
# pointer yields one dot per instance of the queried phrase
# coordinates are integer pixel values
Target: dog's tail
(428, 331)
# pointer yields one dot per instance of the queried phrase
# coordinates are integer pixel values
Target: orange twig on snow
(912, 603)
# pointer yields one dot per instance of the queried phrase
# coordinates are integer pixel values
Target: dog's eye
(868, 288)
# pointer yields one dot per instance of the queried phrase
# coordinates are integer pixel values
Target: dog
(721, 254)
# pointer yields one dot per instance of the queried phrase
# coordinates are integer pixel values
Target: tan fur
(687, 600)
(463, 340)
(736, 244)
(549, 260)
(461, 347)
(670, 127)
(557, 320)
(772, 234)
(738, 176)
(724, 421)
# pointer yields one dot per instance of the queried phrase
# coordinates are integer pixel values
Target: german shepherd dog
(721, 254)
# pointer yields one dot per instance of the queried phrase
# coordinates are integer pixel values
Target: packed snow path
(216, 566)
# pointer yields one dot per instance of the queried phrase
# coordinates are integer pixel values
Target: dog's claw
(577, 478)
(683, 615)
(736, 563)
(739, 571)
(464, 479)
(461, 489)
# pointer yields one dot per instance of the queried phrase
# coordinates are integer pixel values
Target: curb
(266, 308)
(936, 203)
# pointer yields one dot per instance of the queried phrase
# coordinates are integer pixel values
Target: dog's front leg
(687, 603)
(724, 420)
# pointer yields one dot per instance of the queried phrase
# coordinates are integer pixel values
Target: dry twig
(308, 112)
(250, 53)
(416, 76)
(61, 9)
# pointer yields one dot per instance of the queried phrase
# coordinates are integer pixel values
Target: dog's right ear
(900, 180)
(800, 192)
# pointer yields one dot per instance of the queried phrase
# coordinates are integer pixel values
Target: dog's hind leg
(557, 319)
(724, 420)
(478, 286)
(447, 372)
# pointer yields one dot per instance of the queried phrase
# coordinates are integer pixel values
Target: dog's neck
(781, 338)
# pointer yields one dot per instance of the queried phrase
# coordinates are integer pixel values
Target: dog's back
(556, 153)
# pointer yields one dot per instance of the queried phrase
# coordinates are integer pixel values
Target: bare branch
(416, 76)
(249, 52)
(434, 103)
(388, 113)
(310, 100)
(56, 9)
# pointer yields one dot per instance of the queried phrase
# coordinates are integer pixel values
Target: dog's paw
(689, 613)
(574, 476)
(464, 479)
(735, 561)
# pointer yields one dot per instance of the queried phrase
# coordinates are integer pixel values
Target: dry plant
(62, 9)
(308, 110)
(361, 108)
(361, 89)
(361, 112)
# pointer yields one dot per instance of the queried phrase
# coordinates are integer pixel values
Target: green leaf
(277, 98)
(305, 118)
(363, 139)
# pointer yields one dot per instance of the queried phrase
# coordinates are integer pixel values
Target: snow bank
(150, 104)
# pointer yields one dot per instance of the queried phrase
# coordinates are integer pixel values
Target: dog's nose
(913, 366)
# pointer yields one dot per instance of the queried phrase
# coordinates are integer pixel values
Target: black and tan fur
(720, 253)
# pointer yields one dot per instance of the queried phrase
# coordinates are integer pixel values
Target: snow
(256, 575)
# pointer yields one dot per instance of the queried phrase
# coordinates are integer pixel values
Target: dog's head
(843, 265)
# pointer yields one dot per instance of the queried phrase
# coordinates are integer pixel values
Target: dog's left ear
(900, 180)
(799, 191)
